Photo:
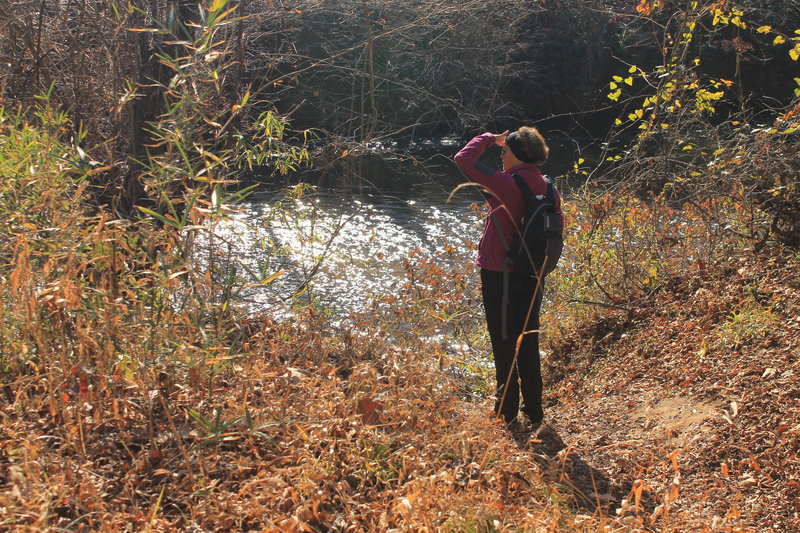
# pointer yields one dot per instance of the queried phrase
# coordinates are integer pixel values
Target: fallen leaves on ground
(690, 404)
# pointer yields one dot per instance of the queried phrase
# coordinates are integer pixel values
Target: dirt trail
(684, 415)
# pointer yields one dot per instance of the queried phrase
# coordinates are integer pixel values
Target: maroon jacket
(502, 191)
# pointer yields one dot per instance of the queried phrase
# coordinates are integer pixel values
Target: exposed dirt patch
(680, 420)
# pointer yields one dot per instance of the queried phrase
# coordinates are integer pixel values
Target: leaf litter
(679, 416)
(689, 409)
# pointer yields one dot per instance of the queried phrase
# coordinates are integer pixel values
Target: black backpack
(541, 232)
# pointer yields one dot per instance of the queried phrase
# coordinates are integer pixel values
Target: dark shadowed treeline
(361, 69)
(364, 69)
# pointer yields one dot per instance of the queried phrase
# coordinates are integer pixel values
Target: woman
(508, 306)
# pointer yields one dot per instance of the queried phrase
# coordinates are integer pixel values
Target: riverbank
(682, 414)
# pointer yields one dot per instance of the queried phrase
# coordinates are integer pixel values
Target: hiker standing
(507, 296)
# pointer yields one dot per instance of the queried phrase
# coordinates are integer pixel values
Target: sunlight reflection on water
(352, 244)
(352, 250)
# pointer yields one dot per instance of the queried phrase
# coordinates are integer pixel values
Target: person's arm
(467, 158)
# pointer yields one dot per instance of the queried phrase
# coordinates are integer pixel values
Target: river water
(342, 244)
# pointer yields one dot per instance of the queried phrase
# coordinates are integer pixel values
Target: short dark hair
(533, 144)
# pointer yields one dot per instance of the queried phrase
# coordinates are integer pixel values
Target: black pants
(528, 371)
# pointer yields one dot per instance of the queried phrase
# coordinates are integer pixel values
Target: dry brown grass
(133, 398)
(298, 432)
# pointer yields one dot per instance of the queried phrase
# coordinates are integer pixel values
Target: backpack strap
(551, 190)
(550, 196)
(522, 185)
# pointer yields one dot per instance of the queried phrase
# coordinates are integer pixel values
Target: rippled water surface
(344, 246)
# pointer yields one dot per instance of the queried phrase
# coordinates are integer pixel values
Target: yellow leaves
(688, 35)
(273, 277)
(703, 350)
(779, 39)
(614, 85)
(794, 53)
(729, 17)
(216, 5)
(764, 29)
(639, 113)
(619, 79)
(704, 99)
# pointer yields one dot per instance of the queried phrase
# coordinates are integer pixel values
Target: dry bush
(292, 429)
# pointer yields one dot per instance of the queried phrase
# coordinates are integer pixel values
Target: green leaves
(215, 429)
(40, 172)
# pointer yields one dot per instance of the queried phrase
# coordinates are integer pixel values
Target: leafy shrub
(39, 176)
